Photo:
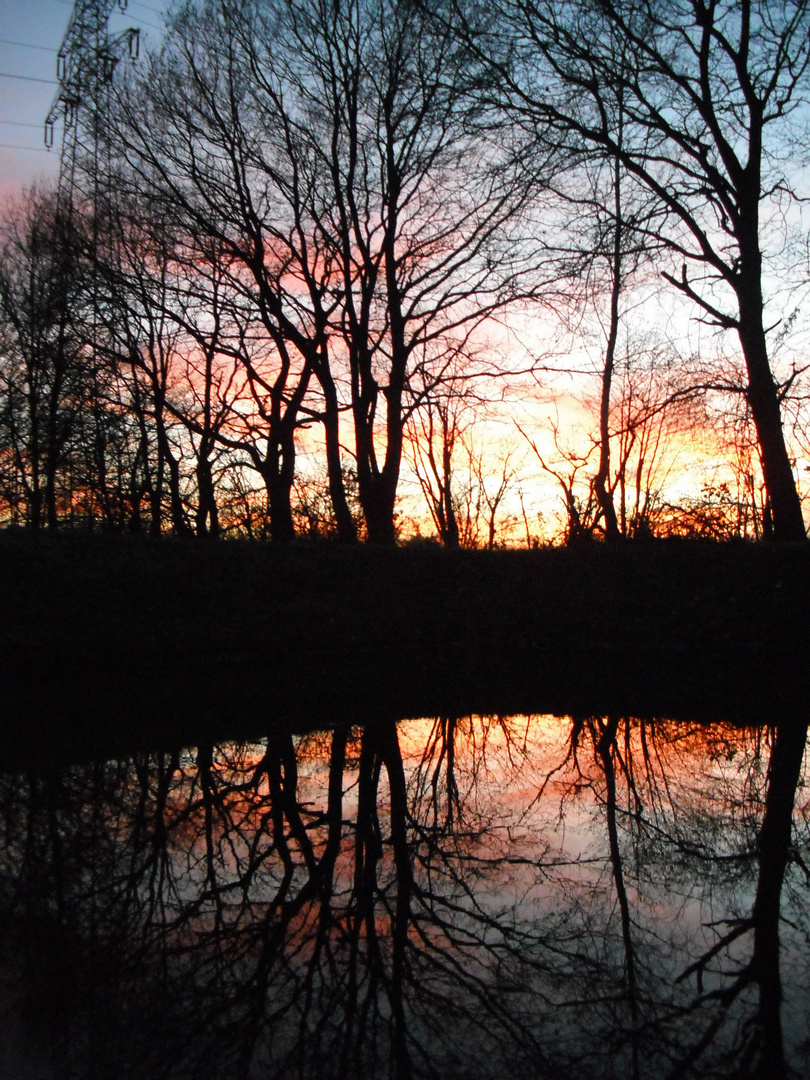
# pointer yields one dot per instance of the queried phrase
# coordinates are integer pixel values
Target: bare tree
(412, 208)
(147, 338)
(208, 158)
(710, 92)
(44, 383)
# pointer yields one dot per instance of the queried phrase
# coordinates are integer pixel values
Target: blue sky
(31, 32)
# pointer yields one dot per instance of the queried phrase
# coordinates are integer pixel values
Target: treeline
(294, 249)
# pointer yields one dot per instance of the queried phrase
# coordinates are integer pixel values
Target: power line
(25, 45)
(27, 78)
(19, 123)
(152, 26)
(149, 7)
(32, 149)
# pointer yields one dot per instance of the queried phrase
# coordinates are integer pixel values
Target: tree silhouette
(708, 93)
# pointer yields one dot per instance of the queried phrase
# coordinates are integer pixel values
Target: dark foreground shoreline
(111, 644)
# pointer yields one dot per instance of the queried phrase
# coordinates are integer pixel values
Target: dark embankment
(119, 643)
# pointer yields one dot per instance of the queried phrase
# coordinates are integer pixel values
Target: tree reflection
(738, 860)
(465, 896)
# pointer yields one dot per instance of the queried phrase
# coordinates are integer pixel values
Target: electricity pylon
(85, 64)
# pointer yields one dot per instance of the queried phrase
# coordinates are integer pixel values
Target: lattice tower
(85, 65)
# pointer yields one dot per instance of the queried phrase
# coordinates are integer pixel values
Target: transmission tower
(85, 65)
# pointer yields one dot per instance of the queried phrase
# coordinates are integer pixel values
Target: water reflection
(456, 897)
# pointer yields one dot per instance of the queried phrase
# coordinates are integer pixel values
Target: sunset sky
(564, 394)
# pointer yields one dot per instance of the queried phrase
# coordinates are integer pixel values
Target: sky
(31, 32)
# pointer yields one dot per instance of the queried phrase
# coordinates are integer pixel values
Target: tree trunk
(378, 500)
(773, 846)
(52, 451)
(602, 478)
(278, 479)
(377, 497)
(346, 528)
(763, 398)
(50, 489)
(450, 532)
(178, 518)
(207, 517)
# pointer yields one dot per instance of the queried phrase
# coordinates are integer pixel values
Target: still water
(477, 897)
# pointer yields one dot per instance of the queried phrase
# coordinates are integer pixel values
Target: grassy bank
(121, 640)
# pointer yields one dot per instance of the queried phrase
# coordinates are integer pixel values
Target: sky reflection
(462, 897)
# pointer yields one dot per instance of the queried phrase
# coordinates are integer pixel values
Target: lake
(457, 896)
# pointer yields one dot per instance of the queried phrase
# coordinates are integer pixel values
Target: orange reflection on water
(485, 887)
